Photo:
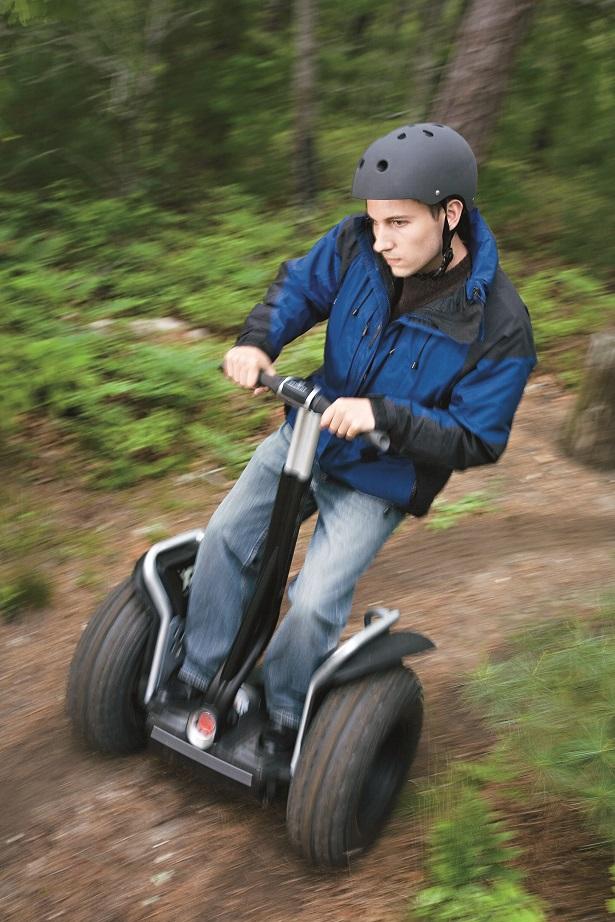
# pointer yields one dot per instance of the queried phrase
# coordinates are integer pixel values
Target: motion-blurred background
(158, 160)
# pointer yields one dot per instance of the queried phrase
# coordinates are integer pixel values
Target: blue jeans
(350, 529)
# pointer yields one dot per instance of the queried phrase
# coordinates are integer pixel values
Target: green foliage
(25, 537)
(548, 170)
(610, 904)
(552, 704)
(566, 303)
(304, 355)
(504, 901)
(118, 257)
(469, 865)
(19, 10)
(470, 844)
(183, 97)
(74, 278)
(136, 408)
(566, 306)
(445, 514)
(25, 590)
(75, 275)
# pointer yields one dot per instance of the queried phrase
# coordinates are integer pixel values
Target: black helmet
(426, 162)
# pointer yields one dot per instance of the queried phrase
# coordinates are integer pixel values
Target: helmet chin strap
(447, 254)
(447, 250)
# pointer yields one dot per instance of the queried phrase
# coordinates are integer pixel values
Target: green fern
(469, 866)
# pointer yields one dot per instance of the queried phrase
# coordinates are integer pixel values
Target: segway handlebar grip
(300, 393)
(378, 439)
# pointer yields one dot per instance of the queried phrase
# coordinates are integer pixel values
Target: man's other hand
(348, 417)
(242, 364)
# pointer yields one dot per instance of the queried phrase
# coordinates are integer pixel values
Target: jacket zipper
(353, 313)
(375, 337)
(357, 308)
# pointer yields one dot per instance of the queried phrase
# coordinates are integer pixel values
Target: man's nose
(382, 240)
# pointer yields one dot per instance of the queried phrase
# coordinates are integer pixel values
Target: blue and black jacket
(444, 382)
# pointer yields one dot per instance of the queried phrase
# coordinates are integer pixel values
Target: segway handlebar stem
(297, 392)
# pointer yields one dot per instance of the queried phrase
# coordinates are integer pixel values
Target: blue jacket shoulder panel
(300, 297)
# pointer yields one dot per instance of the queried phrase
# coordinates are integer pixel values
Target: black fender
(384, 652)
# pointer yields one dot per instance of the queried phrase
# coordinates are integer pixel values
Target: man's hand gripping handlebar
(347, 417)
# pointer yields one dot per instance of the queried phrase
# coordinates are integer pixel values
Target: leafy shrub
(503, 901)
(469, 864)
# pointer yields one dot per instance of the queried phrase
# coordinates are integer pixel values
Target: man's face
(406, 234)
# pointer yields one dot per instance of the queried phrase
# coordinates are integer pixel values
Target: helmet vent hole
(361, 162)
(382, 165)
(400, 137)
(428, 133)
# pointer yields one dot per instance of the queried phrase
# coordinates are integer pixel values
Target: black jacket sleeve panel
(474, 427)
(426, 440)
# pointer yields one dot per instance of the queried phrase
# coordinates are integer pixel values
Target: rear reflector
(201, 728)
(206, 723)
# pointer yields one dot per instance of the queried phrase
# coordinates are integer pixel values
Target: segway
(362, 716)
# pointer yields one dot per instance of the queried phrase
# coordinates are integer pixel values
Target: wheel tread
(104, 670)
(338, 744)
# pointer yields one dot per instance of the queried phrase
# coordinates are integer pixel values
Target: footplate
(203, 758)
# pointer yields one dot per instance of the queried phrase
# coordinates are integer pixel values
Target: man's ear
(454, 209)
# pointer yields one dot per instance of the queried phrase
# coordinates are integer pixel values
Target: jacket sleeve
(300, 297)
(474, 428)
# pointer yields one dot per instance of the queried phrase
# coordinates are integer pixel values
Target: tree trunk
(589, 433)
(306, 185)
(473, 87)
(424, 71)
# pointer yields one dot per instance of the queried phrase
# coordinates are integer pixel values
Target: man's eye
(399, 223)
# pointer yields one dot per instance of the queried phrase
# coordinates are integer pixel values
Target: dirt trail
(117, 840)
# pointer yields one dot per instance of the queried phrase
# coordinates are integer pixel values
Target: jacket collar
(460, 313)
(484, 254)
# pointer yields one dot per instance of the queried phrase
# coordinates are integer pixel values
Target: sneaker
(276, 743)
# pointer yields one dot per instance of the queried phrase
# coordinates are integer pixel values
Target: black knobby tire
(103, 697)
(356, 756)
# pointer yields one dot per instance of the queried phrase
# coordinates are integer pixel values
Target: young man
(427, 340)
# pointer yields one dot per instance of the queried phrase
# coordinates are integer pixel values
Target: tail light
(201, 729)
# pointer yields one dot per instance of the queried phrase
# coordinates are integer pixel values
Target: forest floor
(84, 837)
